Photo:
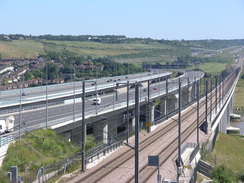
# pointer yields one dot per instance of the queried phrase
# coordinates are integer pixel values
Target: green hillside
(28, 49)
(23, 49)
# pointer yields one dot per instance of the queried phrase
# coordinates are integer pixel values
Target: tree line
(207, 44)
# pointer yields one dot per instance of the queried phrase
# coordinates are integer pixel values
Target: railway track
(99, 174)
(147, 172)
(188, 118)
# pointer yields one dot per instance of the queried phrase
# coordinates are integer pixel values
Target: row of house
(87, 66)
(26, 84)
(18, 85)
(14, 82)
(14, 76)
(16, 61)
(38, 63)
(6, 69)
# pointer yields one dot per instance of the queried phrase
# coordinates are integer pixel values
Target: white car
(97, 101)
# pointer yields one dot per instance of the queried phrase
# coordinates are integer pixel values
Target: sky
(156, 19)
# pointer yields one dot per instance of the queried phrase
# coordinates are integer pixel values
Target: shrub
(90, 142)
(221, 174)
(241, 176)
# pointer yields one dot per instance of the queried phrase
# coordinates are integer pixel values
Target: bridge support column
(225, 120)
(229, 111)
(189, 95)
(172, 103)
(67, 135)
(74, 135)
(193, 91)
(118, 125)
(231, 104)
(133, 120)
(100, 131)
(151, 117)
(185, 96)
(163, 107)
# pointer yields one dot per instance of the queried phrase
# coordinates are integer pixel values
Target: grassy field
(212, 67)
(95, 49)
(228, 151)
(23, 49)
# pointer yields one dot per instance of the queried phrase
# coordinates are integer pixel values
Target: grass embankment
(43, 148)
(239, 97)
(40, 148)
(228, 150)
